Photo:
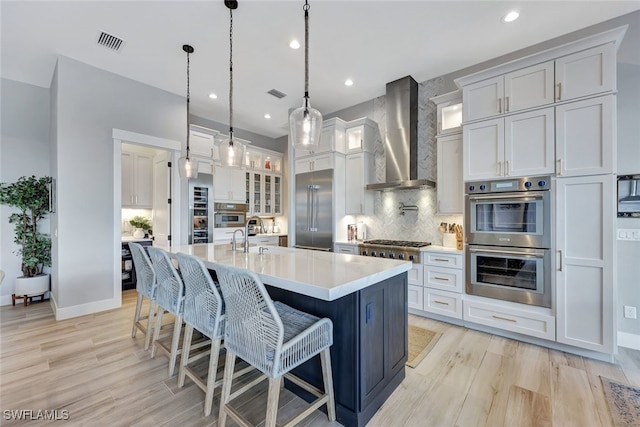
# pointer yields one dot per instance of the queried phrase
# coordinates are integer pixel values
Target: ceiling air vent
(110, 42)
(277, 93)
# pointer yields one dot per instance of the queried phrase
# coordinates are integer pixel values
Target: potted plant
(142, 226)
(30, 195)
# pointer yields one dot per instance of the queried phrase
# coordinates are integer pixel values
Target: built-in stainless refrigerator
(201, 209)
(314, 210)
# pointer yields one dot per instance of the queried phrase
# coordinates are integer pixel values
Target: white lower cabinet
(438, 289)
(502, 316)
(414, 279)
(443, 303)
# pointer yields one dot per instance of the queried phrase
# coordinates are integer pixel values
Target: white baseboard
(84, 309)
(628, 340)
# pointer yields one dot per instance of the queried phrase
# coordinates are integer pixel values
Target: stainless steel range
(394, 249)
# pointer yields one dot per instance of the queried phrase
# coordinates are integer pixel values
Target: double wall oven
(508, 252)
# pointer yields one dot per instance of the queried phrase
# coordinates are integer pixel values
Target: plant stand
(27, 298)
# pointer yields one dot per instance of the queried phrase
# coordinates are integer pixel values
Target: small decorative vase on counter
(138, 233)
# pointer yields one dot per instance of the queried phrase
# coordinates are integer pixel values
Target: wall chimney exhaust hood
(401, 141)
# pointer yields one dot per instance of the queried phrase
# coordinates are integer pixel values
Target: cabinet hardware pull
(506, 168)
(441, 278)
(441, 259)
(559, 85)
(504, 318)
(440, 302)
(499, 168)
(559, 171)
(506, 108)
(499, 105)
(559, 260)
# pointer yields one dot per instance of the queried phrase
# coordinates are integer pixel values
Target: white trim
(84, 309)
(627, 340)
(614, 35)
(142, 139)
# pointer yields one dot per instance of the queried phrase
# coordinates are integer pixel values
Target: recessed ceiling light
(213, 96)
(295, 44)
(348, 82)
(267, 116)
(511, 16)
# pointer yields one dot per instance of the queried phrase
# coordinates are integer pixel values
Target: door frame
(174, 148)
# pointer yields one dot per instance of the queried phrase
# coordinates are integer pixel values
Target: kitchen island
(366, 299)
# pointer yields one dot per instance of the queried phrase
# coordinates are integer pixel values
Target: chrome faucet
(246, 231)
(233, 239)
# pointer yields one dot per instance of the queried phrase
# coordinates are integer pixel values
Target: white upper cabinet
(518, 90)
(229, 185)
(332, 138)
(585, 137)
(201, 144)
(517, 145)
(137, 180)
(360, 135)
(588, 72)
(449, 112)
(449, 188)
(358, 173)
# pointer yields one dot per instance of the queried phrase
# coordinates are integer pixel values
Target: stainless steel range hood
(401, 141)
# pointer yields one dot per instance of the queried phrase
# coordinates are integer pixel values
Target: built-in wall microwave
(230, 215)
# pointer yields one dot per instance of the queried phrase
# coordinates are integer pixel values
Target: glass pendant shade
(231, 153)
(305, 125)
(188, 167)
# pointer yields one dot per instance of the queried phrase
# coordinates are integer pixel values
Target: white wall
(89, 104)
(24, 151)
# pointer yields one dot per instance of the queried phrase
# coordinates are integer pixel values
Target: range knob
(391, 255)
(527, 184)
(411, 257)
(472, 187)
(381, 255)
(401, 256)
(542, 183)
(373, 253)
(364, 253)
(483, 187)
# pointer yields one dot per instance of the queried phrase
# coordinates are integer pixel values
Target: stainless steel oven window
(521, 275)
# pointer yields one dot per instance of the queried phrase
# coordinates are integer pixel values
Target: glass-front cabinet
(263, 183)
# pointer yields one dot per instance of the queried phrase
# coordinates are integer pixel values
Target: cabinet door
(221, 184)
(321, 162)
(358, 175)
(415, 298)
(588, 72)
(201, 144)
(277, 195)
(585, 266)
(483, 99)
(257, 195)
(584, 137)
(268, 194)
(529, 87)
(529, 143)
(127, 179)
(449, 188)
(304, 165)
(483, 151)
(143, 180)
(354, 138)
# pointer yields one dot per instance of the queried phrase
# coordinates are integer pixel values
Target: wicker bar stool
(146, 288)
(274, 338)
(170, 298)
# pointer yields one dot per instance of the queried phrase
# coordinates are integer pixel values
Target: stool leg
(229, 365)
(272, 401)
(327, 377)
(13, 300)
(211, 376)
(186, 349)
(152, 312)
(156, 331)
(175, 343)
(136, 316)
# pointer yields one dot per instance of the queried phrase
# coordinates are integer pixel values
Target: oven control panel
(536, 183)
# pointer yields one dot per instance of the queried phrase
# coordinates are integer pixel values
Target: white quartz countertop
(134, 239)
(435, 248)
(323, 275)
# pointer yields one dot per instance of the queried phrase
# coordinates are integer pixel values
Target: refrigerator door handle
(308, 208)
(315, 207)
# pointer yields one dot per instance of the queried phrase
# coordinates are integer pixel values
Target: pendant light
(187, 166)
(231, 151)
(305, 123)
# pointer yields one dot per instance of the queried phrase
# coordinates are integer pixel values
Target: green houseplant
(142, 223)
(30, 196)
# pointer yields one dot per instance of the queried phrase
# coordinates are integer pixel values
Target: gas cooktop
(401, 243)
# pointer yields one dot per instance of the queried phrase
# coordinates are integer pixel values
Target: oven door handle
(513, 197)
(536, 254)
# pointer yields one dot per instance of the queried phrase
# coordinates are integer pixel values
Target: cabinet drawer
(414, 276)
(269, 241)
(443, 303)
(446, 279)
(345, 249)
(415, 297)
(510, 319)
(443, 259)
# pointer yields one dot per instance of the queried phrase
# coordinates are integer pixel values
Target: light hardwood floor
(92, 367)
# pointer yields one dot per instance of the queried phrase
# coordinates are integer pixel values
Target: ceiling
(372, 42)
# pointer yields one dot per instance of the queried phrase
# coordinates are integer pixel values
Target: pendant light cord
(231, 77)
(306, 53)
(188, 102)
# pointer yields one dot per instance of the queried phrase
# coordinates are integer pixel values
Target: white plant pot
(29, 286)
(138, 233)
